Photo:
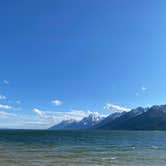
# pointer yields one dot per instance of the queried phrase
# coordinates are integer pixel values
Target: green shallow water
(82, 148)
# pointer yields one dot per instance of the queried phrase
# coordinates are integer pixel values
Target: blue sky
(84, 54)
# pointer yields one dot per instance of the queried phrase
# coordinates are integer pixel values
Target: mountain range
(151, 118)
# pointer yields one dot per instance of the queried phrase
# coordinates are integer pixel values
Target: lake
(82, 148)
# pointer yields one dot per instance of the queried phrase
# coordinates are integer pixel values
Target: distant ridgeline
(153, 118)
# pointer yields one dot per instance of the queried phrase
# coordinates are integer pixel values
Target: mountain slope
(109, 119)
(120, 121)
(64, 125)
(153, 118)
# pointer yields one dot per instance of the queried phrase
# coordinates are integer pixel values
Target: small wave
(113, 158)
(133, 147)
(109, 158)
(154, 147)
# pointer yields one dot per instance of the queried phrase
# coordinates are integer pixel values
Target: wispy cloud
(6, 82)
(6, 107)
(143, 88)
(4, 114)
(141, 91)
(2, 97)
(36, 123)
(113, 107)
(18, 102)
(38, 112)
(57, 102)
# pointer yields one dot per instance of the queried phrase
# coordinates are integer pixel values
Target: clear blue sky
(85, 53)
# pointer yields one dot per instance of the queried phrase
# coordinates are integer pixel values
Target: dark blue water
(82, 148)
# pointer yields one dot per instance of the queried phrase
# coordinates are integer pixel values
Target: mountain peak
(95, 116)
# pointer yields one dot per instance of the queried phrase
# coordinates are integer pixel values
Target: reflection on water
(82, 148)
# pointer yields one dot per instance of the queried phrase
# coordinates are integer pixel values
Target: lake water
(82, 148)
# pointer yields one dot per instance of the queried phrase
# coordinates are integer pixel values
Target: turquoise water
(82, 148)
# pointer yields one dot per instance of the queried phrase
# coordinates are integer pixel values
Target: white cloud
(56, 117)
(57, 102)
(6, 107)
(113, 107)
(2, 97)
(143, 88)
(6, 82)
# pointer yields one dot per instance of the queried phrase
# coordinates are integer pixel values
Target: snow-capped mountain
(86, 123)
